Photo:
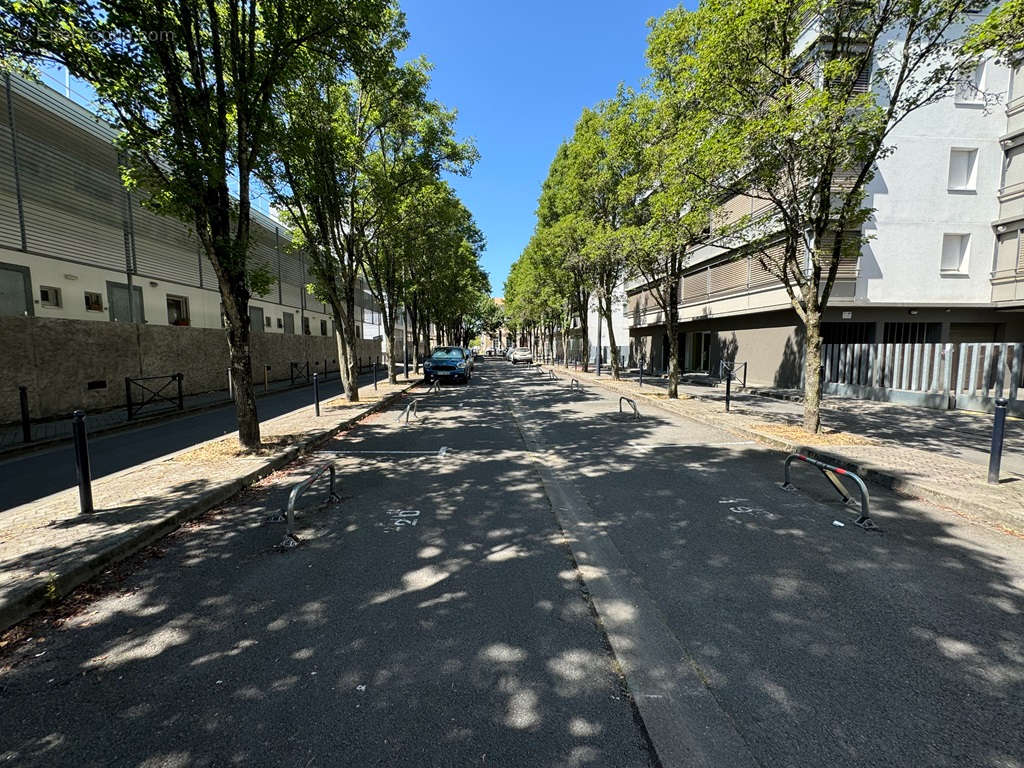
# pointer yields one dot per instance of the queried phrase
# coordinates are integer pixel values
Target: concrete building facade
(88, 274)
(944, 262)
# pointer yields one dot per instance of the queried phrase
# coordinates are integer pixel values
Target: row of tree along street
(737, 104)
(307, 99)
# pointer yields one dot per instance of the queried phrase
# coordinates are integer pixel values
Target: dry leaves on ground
(796, 434)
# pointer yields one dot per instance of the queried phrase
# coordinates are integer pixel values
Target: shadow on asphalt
(465, 639)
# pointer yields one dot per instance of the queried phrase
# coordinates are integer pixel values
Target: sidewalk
(939, 456)
(47, 547)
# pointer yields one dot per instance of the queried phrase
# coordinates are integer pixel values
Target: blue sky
(519, 73)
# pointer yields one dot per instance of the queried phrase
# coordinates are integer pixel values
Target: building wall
(58, 359)
(65, 215)
(914, 206)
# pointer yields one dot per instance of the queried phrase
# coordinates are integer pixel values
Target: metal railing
(632, 404)
(547, 374)
(300, 369)
(290, 540)
(435, 386)
(730, 369)
(411, 410)
(831, 472)
(575, 384)
(151, 392)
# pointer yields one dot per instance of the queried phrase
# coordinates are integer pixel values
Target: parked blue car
(448, 364)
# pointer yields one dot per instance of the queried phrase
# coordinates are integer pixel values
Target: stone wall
(69, 364)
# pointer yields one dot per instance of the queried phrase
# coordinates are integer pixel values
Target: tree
(407, 156)
(566, 232)
(190, 87)
(445, 278)
(1003, 32)
(602, 165)
(322, 133)
(797, 128)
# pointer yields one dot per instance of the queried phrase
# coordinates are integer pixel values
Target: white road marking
(688, 445)
(388, 453)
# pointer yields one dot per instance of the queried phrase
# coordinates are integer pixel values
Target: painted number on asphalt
(741, 509)
(403, 518)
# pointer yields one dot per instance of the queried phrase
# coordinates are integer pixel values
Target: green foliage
(260, 279)
(1003, 32)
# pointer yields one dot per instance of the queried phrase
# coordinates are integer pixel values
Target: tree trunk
(344, 353)
(392, 368)
(812, 372)
(348, 333)
(241, 380)
(585, 341)
(673, 362)
(611, 338)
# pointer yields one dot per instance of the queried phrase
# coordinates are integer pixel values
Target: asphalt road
(32, 476)
(433, 618)
(823, 645)
(436, 616)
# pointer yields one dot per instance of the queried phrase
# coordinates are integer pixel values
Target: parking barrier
(435, 386)
(298, 489)
(830, 472)
(411, 410)
(632, 404)
(575, 384)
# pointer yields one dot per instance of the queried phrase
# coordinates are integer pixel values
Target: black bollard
(180, 378)
(995, 457)
(316, 393)
(375, 374)
(26, 421)
(728, 388)
(82, 471)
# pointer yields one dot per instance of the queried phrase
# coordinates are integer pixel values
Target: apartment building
(944, 263)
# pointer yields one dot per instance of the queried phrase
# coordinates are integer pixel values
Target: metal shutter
(695, 285)
(165, 247)
(74, 204)
(10, 226)
(728, 276)
(759, 276)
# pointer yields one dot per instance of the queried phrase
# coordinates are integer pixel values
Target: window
(962, 167)
(93, 301)
(305, 326)
(971, 90)
(280, 323)
(177, 310)
(955, 251)
(49, 296)
(359, 332)
(912, 333)
(268, 322)
(323, 327)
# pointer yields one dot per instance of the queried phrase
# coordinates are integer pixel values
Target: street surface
(35, 475)
(436, 617)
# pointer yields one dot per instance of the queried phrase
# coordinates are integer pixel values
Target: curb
(877, 475)
(45, 591)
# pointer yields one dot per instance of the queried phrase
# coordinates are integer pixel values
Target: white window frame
(965, 254)
(971, 90)
(971, 184)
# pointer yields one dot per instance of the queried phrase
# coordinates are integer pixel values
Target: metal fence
(969, 376)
